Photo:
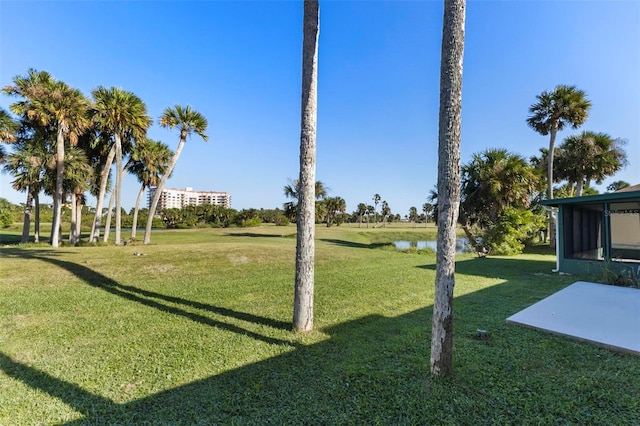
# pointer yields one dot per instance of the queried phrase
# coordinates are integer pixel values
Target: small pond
(461, 245)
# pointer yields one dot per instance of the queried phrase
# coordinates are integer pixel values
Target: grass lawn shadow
(257, 235)
(375, 370)
(155, 300)
(352, 244)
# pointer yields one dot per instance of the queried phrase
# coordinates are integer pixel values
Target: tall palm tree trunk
(580, 187)
(74, 219)
(163, 180)
(448, 184)
(305, 222)
(78, 219)
(104, 179)
(552, 220)
(36, 226)
(134, 222)
(119, 176)
(26, 226)
(107, 220)
(57, 200)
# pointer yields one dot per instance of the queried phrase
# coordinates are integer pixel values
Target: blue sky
(238, 63)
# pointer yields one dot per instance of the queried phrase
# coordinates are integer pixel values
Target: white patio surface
(605, 315)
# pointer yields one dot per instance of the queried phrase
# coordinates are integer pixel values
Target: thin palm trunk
(107, 221)
(78, 219)
(305, 222)
(36, 226)
(579, 187)
(448, 184)
(74, 219)
(57, 200)
(134, 223)
(163, 180)
(552, 220)
(26, 226)
(119, 176)
(104, 179)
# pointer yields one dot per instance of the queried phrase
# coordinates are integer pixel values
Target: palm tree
(376, 201)
(187, 121)
(617, 185)
(362, 209)
(427, 208)
(150, 161)
(334, 206)
(370, 211)
(492, 182)
(292, 191)
(26, 165)
(48, 102)
(104, 183)
(413, 215)
(565, 105)
(305, 220)
(78, 173)
(122, 115)
(385, 212)
(448, 184)
(8, 127)
(589, 156)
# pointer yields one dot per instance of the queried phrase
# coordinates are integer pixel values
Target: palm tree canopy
(496, 179)
(121, 113)
(293, 189)
(186, 119)
(149, 161)
(48, 102)
(27, 87)
(8, 127)
(590, 155)
(618, 185)
(77, 171)
(27, 164)
(565, 105)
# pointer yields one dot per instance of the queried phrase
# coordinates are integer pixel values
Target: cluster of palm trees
(65, 143)
(368, 210)
(329, 210)
(581, 158)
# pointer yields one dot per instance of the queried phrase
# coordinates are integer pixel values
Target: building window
(625, 231)
(583, 233)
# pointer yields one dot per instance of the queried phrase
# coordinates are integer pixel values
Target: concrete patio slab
(605, 315)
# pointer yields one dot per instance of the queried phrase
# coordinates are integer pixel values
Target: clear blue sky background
(239, 64)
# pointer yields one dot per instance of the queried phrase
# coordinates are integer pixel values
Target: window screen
(625, 230)
(583, 236)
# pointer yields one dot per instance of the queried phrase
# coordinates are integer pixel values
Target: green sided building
(599, 231)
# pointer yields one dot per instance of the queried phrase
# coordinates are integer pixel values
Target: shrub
(250, 223)
(281, 220)
(6, 213)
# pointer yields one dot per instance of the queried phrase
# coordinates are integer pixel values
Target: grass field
(195, 329)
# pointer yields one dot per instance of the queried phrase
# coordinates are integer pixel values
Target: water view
(462, 245)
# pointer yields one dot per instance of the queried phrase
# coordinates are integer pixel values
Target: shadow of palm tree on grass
(375, 370)
(257, 235)
(353, 244)
(148, 298)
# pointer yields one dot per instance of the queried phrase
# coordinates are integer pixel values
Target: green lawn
(196, 330)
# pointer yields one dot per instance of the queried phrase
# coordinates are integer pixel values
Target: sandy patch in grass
(237, 260)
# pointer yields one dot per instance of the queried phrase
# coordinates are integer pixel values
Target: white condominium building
(171, 198)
